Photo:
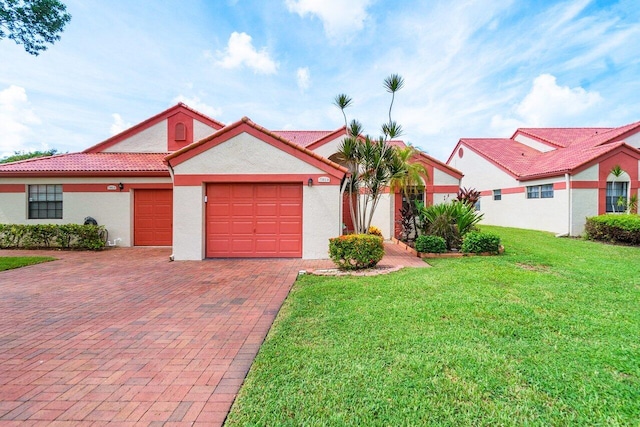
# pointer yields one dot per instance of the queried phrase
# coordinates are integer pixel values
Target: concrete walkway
(125, 336)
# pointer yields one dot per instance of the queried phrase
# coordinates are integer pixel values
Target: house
(207, 189)
(551, 179)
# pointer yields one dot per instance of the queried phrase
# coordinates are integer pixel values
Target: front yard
(546, 334)
(8, 263)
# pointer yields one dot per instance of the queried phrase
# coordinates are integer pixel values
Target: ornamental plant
(451, 221)
(44, 236)
(476, 242)
(431, 244)
(373, 163)
(621, 228)
(356, 251)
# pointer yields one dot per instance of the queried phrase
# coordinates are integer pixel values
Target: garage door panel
(153, 217)
(259, 219)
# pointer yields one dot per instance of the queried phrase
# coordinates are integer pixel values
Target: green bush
(451, 221)
(622, 228)
(44, 236)
(431, 244)
(476, 242)
(356, 251)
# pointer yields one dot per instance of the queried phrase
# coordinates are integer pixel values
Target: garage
(153, 217)
(254, 220)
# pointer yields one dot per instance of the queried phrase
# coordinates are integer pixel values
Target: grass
(8, 263)
(546, 334)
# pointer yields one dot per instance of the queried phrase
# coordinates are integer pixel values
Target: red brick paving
(125, 336)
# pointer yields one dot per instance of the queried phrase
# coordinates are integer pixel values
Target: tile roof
(302, 137)
(575, 147)
(90, 162)
(560, 137)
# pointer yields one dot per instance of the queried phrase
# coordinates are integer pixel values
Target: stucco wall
(584, 203)
(330, 147)
(633, 140)
(589, 174)
(481, 174)
(150, 140)
(536, 145)
(442, 178)
(201, 130)
(244, 154)
(113, 209)
(384, 215)
(188, 222)
(320, 219)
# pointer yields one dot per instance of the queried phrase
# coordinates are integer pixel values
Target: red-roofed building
(207, 189)
(551, 179)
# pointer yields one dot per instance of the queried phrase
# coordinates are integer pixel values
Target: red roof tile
(90, 162)
(560, 137)
(302, 137)
(575, 147)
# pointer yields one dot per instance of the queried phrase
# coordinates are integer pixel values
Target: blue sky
(472, 68)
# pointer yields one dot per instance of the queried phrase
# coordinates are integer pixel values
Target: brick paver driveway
(126, 336)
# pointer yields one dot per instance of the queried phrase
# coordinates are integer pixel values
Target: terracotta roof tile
(575, 147)
(302, 137)
(90, 162)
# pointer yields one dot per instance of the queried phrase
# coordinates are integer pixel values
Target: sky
(474, 68)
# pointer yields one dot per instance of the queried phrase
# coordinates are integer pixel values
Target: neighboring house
(209, 190)
(551, 179)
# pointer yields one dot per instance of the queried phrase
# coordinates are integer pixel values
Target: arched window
(617, 192)
(181, 132)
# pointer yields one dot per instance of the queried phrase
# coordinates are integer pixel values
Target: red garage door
(254, 220)
(153, 217)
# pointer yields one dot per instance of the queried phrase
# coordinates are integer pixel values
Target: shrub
(431, 244)
(44, 236)
(451, 221)
(476, 242)
(356, 251)
(623, 228)
(375, 231)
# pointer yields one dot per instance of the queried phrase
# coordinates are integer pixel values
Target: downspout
(567, 179)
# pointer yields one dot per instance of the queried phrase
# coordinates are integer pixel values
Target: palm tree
(373, 163)
(410, 178)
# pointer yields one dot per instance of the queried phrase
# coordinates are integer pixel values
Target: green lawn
(7, 263)
(547, 334)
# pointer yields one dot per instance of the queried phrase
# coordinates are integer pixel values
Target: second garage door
(153, 217)
(254, 220)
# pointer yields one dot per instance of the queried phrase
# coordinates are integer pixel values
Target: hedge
(431, 244)
(47, 236)
(622, 228)
(476, 242)
(356, 251)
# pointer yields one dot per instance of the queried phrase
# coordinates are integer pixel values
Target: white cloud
(241, 52)
(304, 78)
(118, 124)
(548, 104)
(340, 18)
(195, 103)
(16, 117)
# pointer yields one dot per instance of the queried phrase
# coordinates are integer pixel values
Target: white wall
(536, 145)
(442, 178)
(320, 219)
(584, 204)
(330, 148)
(383, 216)
(481, 174)
(188, 222)
(633, 140)
(201, 130)
(589, 174)
(244, 154)
(150, 140)
(113, 209)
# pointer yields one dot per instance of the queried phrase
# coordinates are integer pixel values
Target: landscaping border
(412, 251)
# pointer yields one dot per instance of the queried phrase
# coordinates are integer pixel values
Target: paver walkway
(125, 336)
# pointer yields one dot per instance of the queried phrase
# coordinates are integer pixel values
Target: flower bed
(443, 255)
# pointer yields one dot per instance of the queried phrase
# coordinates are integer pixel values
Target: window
(617, 196)
(45, 201)
(181, 132)
(540, 191)
(497, 194)
(415, 195)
